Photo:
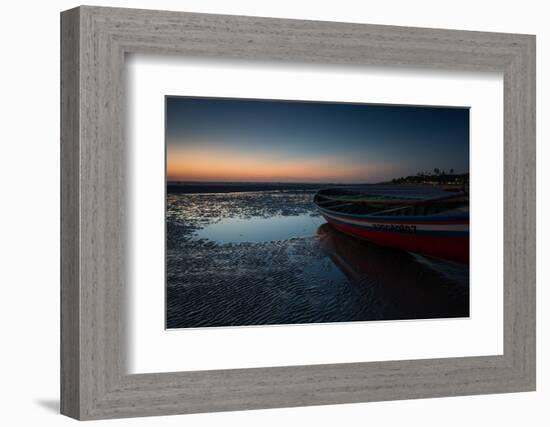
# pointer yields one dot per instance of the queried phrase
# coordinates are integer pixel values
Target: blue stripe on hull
(401, 218)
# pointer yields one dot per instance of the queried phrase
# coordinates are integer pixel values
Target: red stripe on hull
(448, 247)
(434, 221)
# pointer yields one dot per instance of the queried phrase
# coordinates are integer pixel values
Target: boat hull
(446, 238)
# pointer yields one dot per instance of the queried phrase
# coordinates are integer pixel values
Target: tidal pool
(260, 229)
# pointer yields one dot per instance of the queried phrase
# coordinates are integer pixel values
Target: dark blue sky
(244, 140)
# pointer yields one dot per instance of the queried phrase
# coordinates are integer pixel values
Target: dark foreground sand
(325, 277)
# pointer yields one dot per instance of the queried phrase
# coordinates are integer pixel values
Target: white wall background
(29, 213)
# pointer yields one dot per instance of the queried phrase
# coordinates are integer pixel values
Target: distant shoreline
(249, 187)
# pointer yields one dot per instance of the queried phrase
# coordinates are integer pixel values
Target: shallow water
(260, 229)
(265, 258)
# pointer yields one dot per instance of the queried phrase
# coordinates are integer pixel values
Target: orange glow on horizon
(206, 165)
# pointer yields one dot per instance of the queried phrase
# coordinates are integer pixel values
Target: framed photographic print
(261, 213)
(272, 206)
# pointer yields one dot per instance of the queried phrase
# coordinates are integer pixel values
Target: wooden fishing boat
(427, 220)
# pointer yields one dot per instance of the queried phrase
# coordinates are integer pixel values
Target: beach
(265, 257)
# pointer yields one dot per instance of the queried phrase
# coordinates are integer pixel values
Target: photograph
(286, 212)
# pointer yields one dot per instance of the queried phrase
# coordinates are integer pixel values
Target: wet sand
(322, 276)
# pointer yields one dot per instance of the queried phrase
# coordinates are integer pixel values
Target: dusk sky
(209, 139)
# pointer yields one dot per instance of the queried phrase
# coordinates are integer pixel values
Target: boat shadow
(397, 284)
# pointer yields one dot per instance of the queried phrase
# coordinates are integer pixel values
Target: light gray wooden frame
(94, 382)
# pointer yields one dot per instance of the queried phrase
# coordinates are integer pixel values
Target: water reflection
(260, 229)
(405, 285)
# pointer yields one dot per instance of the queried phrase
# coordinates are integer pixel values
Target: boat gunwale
(401, 218)
(439, 217)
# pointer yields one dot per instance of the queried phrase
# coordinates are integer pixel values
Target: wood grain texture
(94, 382)
(70, 314)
